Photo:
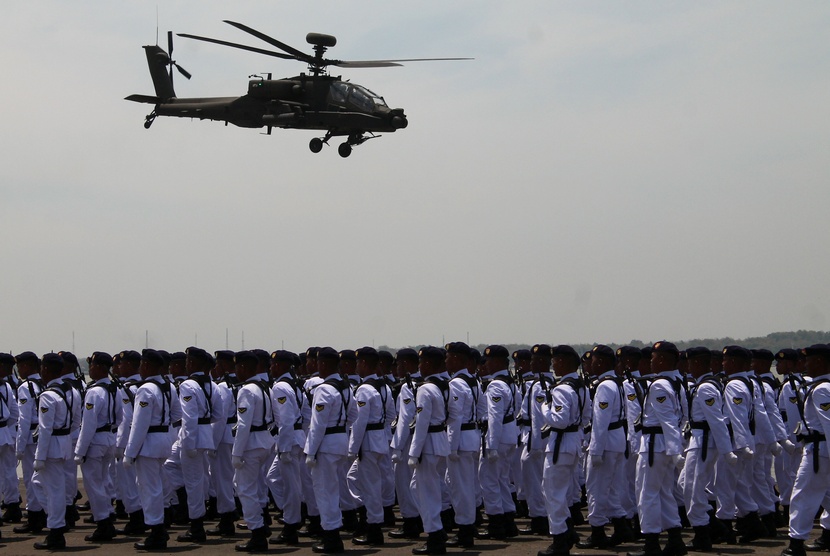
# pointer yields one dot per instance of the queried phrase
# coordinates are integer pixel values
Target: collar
(462, 372)
(703, 377)
(500, 373)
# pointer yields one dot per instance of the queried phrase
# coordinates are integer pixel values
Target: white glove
(775, 449)
(39, 465)
(286, 457)
(788, 446)
(119, 453)
(745, 452)
(191, 453)
(396, 456)
(237, 462)
(412, 462)
(731, 458)
(19, 456)
(454, 456)
(128, 461)
(492, 456)
(79, 459)
(678, 460)
(352, 456)
(311, 462)
(596, 460)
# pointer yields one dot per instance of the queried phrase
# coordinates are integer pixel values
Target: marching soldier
(790, 399)
(8, 425)
(126, 365)
(221, 470)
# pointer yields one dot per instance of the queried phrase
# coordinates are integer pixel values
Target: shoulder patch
(540, 399)
(824, 406)
(632, 397)
(738, 401)
(793, 399)
(90, 406)
(557, 408)
(23, 400)
(320, 406)
(44, 409)
(455, 398)
(360, 403)
(497, 398)
(242, 410)
(126, 400)
(143, 404)
(603, 405)
(407, 400)
(281, 399)
(187, 398)
(418, 410)
(660, 399)
(709, 401)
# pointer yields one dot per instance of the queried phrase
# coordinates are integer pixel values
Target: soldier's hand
(191, 453)
(311, 462)
(128, 461)
(596, 460)
(454, 456)
(119, 453)
(745, 452)
(775, 449)
(492, 456)
(788, 446)
(412, 462)
(678, 460)
(237, 462)
(39, 465)
(286, 457)
(211, 454)
(352, 456)
(79, 459)
(731, 458)
(396, 456)
(19, 456)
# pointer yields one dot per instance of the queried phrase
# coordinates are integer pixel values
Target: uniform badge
(603, 405)
(738, 401)
(89, 406)
(320, 406)
(632, 397)
(418, 410)
(407, 400)
(660, 399)
(44, 409)
(281, 400)
(126, 400)
(540, 399)
(709, 401)
(187, 398)
(143, 404)
(793, 399)
(242, 410)
(360, 404)
(455, 398)
(496, 399)
(824, 406)
(23, 401)
(557, 408)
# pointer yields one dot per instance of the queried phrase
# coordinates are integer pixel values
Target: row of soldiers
(336, 439)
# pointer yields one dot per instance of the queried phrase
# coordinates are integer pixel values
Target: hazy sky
(603, 171)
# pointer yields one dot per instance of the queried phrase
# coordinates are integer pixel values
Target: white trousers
(532, 463)
(50, 484)
(427, 480)
(462, 479)
(250, 481)
(326, 476)
(495, 481)
(95, 470)
(605, 485)
(809, 492)
(148, 474)
(656, 502)
(194, 470)
(369, 487)
(558, 490)
(698, 475)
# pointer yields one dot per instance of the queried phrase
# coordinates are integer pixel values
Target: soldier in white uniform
(253, 445)
(8, 439)
(812, 482)
(75, 399)
(430, 447)
(221, 470)
(126, 366)
(28, 367)
(95, 449)
(503, 402)
(54, 447)
(149, 444)
(327, 446)
(790, 398)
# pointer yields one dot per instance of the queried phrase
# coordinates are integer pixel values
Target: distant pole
(146, 338)
(226, 338)
(73, 341)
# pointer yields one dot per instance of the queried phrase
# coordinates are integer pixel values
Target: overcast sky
(602, 171)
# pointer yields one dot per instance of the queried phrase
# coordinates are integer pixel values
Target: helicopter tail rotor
(172, 63)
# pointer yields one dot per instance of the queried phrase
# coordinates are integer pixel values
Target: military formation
(638, 442)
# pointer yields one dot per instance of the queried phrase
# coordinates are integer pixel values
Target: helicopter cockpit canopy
(357, 96)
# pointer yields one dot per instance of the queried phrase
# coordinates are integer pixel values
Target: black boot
(409, 529)
(389, 516)
(135, 526)
(597, 539)
(350, 520)
(13, 513)
(156, 540)
(495, 528)
(769, 523)
(702, 541)
(510, 529)
(288, 535)
(784, 518)
(35, 523)
(576, 515)
(257, 543)
(372, 537)
(821, 543)
(729, 536)
(225, 527)
(675, 545)
(180, 517)
(330, 543)
(104, 531)
(54, 540)
(196, 532)
(796, 548)
(559, 547)
(465, 537)
(71, 516)
(210, 509)
(312, 528)
(436, 544)
(120, 512)
(573, 536)
(684, 518)
(651, 547)
(448, 519)
(752, 529)
(538, 526)
(622, 532)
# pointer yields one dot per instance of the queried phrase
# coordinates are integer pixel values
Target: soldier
(430, 447)
(149, 444)
(126, 366)
(812, 482)
(387, 473)
(790, 399)
(351, 505)
(327, 446)
(54, 447)
(95, 450)
(8, 424)
(71, 376)
(311, 380)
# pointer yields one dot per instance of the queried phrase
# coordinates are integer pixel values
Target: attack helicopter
(315, 101)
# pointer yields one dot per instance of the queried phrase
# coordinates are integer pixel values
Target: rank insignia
(632, 397)
(660, 399)
(709, 401)
(540, 399)
(603, 405)
(455, 398)
(557, 408)
(418, 410)
(44, 409)
(143, 404)
(187, 398)
(281, 400)
(360, 404)
(89, 406)
(126, 400)
(738, 401)
(793, 399)
(496, 399)
(407, 400)
(824, 406)
(23, 401)
(320, 406)
(242, 410)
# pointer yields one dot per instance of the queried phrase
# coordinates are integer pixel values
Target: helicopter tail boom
(158, 61)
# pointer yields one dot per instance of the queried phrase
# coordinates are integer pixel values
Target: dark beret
(223, 355)
(348, 355)
(762, 354)
(69, 358)
(245, 356)
(431, 352)
(629, 351)
(311, 352)
(475, 354)
(407, 353)
(327, 353)
(197, 353)
(522, 355)
(646, 352)
(458, 348)
(586, 356)
(386, 356)
(816, 349)
(787, 354)
(101, 358)
(165, 355)
(25, 356)
(52, 360)
(263, 357)
(496, 351)
(698, 351)
(282, 355)
(556, 351)
(665, 347)
(541, 350)
(737, 351)
(603, 351)
(7, 358)
(716, 354)
(179, 356)
(152, 356)
(366, 352)
(129, 355)
(301, 358)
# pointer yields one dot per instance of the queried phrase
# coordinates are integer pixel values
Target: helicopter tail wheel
(149, 119)
(315, 145)
(345, 149)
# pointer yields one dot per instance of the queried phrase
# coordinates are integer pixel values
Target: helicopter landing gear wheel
(315, 145)
(344, 150)
(149, 119)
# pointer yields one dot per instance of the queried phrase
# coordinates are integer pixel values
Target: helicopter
(315, 101)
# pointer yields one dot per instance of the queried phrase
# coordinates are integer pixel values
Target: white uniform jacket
(466, 400)
(503, 403)
(333, 413)
(100, 416)
(255, 417)
(608, 423)
(151, 435)
(288, 399)
(431, 411)
(203, 413)
(368, 432)
(709, 426)
(564, 416)
(27, 420)
(663, 415)
(738, 407)
(54, 422)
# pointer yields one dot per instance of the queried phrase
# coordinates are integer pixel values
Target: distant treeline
(772, 342)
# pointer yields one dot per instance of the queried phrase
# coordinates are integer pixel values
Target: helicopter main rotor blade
(272, 41)
(240, 46)
(385, 63)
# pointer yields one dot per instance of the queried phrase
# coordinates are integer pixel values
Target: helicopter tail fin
(158, 61)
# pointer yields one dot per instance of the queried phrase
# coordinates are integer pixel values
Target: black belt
(3, 424)
(469, 426)
(336, 430)
(508, 419)
(298, 426)
(437, 428)
(558, 441)
(106, 428)
(177, 423)
(159, 428)
(524, 422)
(60, 432)
(232, 420)
(375, 426)
(260, 428)
(702, 426)
(587, 429)
(621, 425)
(203, 421)
(652, 432)
(33, 427)
(815, 438)
(784, 416)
